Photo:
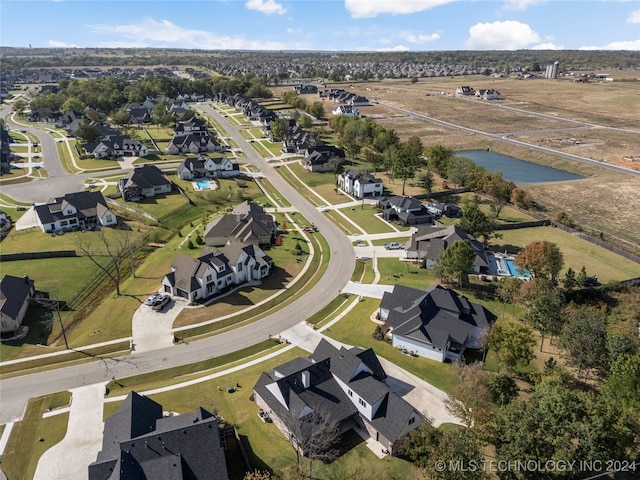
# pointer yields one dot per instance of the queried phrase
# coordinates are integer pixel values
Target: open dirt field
(597, 120)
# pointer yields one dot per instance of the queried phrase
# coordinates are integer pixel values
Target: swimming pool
(515, 271)
(202, 185)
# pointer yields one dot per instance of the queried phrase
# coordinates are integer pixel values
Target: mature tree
(502, 387)
(420, 442)
(305, 121)
(316, 110)
(470, 398)
(455, 262)
(402, 163)
(115, 248)
(544, 303)
(438, 158)
(385, 138)
(414, 147)
(353, 137)
(315, 436)
(475, 222)
(87, 133)
(584, 340)
(500, 189)
(619, 344)
(512, 343)
(279, 128)
(258, 90)
(373, 158)
(459, 171)
(19, 105)
(581, 278)
(623, 383)
(543, 259)
(508, 291)
(428, 182)
(569, 281)
(73, 104)
(461, 453)
(120, 118)
(161, 116)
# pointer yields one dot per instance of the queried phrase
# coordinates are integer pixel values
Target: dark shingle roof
(14, 291)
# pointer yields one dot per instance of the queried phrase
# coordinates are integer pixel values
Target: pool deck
(498, 265)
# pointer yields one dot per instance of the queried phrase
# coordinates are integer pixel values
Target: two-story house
(84, 210)
(360, 185)
(206, 167)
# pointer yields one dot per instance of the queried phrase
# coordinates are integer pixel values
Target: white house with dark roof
(247, 222)
(15, 293)
(347, 111)
(428, 243)
(140, 442)
(406, 210)
(84, 210)
(436, 323)
(114, 146)
(214, 270)
(344, 387)
(144, 182)
(360, 185)
(206, 167)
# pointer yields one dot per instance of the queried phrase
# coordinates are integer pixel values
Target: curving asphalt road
(16, 391)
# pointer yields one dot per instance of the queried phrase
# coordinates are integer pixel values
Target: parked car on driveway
(150, 301)
(393, 246)
(159, 304)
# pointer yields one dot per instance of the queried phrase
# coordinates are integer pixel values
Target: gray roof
(147, 176)
(434, 240)
(14, 292)
(139, 443)
(248, 222)
(433, 316)
(87, 204)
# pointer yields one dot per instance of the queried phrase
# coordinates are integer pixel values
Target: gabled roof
(147, 176)
(140, 443)
(88, 204)
(434, 240)
(14, 291)
(433, 316)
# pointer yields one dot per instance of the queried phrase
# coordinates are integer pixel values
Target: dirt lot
(560, 114)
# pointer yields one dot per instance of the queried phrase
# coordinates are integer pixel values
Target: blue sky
(335, 25)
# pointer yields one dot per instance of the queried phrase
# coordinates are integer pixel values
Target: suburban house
(192, 136)
(465, 90)
(84, 210)
(323, 158)
(140, 442)
(428, 243)
(435, 323)
(70, 121)
(247, 222)
(114, 146)
(360, 185)
(44, 114)
(406, 210)
(488, 94)
(205, 167)
(343, 387)
(306, 88)
(15, 293)
(450, 210)
(144, 182)
(213, 271)
(347, 111)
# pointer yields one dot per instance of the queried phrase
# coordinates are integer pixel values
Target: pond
(516, 170)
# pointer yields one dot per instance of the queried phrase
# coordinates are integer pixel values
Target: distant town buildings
(552, 70)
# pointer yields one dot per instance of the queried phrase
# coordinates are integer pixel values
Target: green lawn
(274, 149)
(322, 183)
(24, 448)
(577, 252)
(364, 216)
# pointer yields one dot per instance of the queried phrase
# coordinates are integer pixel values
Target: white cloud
(397, 48)
(412, 38)
(268, 7)
(57, 44)
(507, 35)
(634, 17)
(548, 46)
(622, 45)
(520, 5)
(372, 8)
(163, 33)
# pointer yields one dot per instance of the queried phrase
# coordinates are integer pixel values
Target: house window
(109, 218)
(208, 279)
(412, 420)
(362, 402)
(350, 393)
(219, 283)
(4, 324)
(239, 267)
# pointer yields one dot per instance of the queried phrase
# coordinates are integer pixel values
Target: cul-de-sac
(218, 265)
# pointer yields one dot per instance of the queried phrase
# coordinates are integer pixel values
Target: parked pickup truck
(393, 246)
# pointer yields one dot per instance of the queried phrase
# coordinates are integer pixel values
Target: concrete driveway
(70, 458)
(151, 330)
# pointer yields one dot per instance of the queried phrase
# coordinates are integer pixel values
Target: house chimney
(26, 278)
(306, 379)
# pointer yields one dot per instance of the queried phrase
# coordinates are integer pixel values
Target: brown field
(605, 202)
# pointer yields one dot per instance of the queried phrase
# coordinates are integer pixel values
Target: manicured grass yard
(322, 183)
(364, 216)
(23, 450)
(577, 252)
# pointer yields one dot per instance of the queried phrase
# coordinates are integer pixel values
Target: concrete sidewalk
(70, 458)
